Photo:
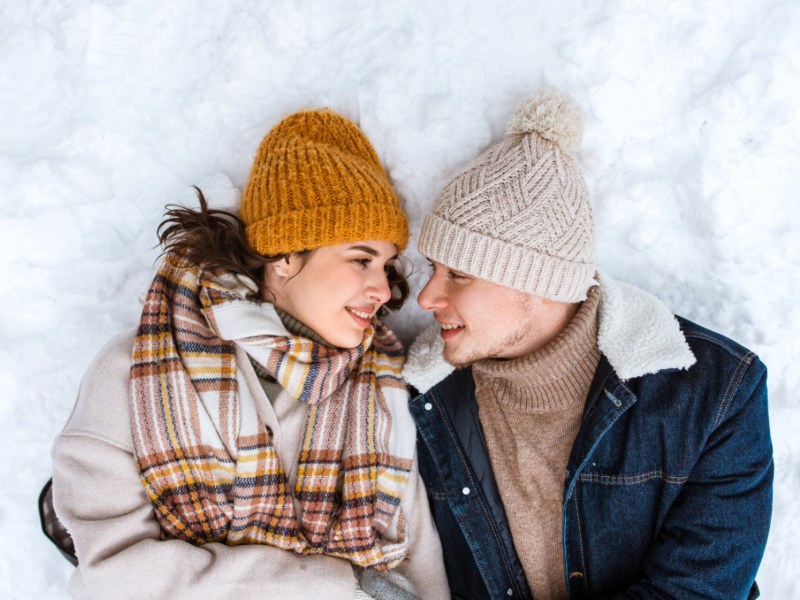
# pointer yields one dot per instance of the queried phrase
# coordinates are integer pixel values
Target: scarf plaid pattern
(208, 462)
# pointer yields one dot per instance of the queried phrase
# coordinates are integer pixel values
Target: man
(590, 444)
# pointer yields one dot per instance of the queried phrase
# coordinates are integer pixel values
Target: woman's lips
(362, 317)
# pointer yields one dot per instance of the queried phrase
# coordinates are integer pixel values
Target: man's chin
(459, 362)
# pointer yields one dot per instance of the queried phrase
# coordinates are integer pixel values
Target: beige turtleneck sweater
(530, 409)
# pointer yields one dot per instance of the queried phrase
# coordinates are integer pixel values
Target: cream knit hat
(519, 215)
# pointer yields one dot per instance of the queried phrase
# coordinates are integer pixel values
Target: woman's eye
(364, 262)
(456, 276)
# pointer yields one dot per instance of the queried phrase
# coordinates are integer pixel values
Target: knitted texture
(520, 215)
(317, 181)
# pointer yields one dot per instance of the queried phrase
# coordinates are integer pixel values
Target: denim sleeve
(712, 539)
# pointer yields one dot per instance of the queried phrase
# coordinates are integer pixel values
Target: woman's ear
(282, 267)
(286, 267)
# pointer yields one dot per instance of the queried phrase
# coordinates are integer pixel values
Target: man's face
(481, 319)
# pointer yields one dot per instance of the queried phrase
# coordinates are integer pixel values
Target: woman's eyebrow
(368, 250)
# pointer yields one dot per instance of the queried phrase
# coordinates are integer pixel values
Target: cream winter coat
(99, 497)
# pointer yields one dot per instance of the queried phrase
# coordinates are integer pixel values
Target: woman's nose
(379, 289)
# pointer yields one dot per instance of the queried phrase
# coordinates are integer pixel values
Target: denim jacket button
(428, 406)
(465, 491)
(510, 592)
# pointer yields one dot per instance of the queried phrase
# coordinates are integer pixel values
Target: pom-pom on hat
(317, 181)
(520, 215)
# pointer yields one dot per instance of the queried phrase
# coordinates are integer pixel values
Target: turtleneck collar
(553, 377)
(297, 328)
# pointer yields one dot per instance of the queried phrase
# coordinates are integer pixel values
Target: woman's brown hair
(216, 239)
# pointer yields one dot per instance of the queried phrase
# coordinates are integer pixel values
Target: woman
(251, 438)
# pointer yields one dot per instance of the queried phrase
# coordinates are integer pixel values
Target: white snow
(109, 110)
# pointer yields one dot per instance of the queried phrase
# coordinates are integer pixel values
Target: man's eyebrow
(368, 250)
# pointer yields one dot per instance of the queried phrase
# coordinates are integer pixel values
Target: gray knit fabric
(520, 215)
(383, 585)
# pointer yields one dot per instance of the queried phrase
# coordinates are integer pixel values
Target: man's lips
(450, 330)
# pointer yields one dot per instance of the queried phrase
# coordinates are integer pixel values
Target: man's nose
(432, 296)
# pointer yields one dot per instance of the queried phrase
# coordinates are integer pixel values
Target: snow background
(110, 110)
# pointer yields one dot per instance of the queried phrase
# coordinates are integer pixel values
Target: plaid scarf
(206, 459)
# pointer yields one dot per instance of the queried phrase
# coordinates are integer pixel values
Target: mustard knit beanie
(317, 181)
(520, 215)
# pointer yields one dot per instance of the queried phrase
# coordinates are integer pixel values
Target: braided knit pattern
(518, 216)
(317, 181)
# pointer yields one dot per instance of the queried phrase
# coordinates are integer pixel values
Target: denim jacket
(668, 488)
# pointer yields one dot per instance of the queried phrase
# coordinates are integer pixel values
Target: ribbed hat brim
(503, 263)
(318, 226)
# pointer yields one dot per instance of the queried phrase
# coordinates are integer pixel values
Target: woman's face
(334, 290)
